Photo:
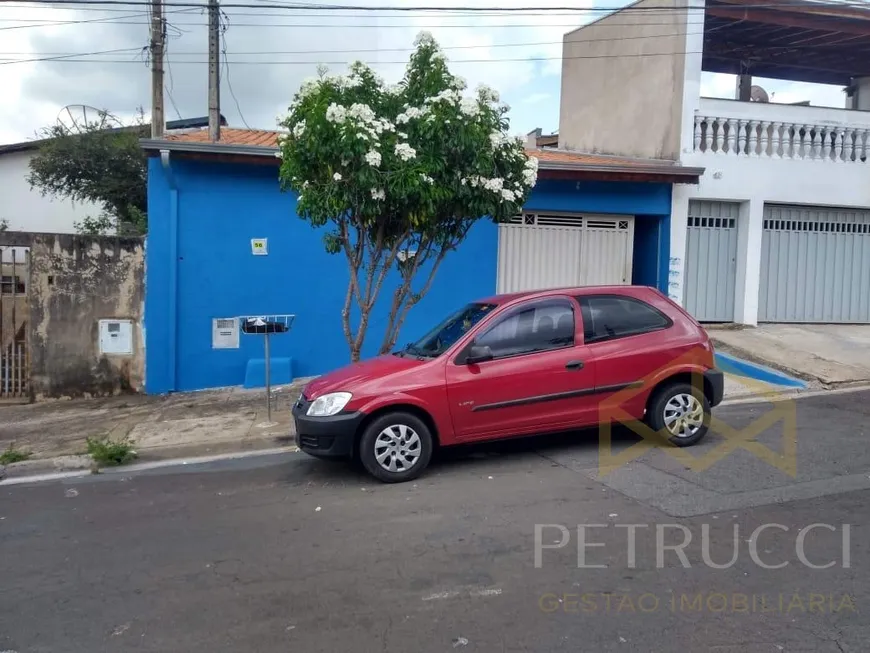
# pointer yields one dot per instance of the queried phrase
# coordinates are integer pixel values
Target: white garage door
(815, 265)
(553, 250)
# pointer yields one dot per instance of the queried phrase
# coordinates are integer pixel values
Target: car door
(539, 377)
(625, 340)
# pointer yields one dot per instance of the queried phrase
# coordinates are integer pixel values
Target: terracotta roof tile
(268, 139)
(230, 136)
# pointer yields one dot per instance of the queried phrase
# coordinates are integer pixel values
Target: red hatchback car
(514, 365)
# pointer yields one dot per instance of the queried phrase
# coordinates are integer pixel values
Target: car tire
(681, 413)
(396, 447)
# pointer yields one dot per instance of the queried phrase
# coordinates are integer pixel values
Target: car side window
(541, 327)
(606, 317)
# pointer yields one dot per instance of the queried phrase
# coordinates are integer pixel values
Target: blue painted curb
(733, 365)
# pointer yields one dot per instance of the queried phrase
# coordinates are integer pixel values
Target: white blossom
(378, 194)
(508, 195)
(305, 185)
(373, 158)
(530, 171)
(496, 139)
(361, 112)
(298, 130)
(279, 154)
(405, 152)
(459, 83)
(308, 86)
(337, 176)
(402, 135)
(409, 114)
(425, 38)
(393, 89)
(487, 94)
(426, 178)
(336, 113)
(447, 95)
(344, 163)
(469, 107)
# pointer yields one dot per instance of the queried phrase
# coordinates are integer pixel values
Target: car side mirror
(478, 354)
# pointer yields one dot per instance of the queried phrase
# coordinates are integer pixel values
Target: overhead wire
(224, 26)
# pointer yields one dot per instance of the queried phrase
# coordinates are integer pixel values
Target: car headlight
(328, 404)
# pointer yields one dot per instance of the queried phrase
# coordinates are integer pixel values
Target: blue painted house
(211, 205)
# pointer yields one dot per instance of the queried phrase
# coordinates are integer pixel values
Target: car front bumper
(716, 380)
(325, 437)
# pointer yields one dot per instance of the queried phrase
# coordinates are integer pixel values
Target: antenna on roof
(758, 94)
(78, 118)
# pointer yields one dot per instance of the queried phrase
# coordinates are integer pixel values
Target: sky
(270, 51)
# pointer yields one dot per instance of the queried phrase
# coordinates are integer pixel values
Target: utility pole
(214, 89)
(158, 46)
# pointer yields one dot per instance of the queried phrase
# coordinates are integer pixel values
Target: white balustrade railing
(781, 140)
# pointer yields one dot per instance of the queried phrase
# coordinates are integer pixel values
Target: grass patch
(111, 453)
(13, 455)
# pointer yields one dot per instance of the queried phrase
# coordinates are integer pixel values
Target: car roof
(575, 290)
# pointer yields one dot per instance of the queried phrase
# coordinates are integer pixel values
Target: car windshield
(442, 337)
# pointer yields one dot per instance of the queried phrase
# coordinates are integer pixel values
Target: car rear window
(606, 317)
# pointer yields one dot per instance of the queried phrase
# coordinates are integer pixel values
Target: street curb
(141, 467)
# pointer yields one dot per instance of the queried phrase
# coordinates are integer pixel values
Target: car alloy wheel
(397, 448)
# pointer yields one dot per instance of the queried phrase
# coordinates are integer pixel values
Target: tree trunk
(397, 318)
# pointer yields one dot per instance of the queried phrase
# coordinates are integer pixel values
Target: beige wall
(73, 283)
(620, 95)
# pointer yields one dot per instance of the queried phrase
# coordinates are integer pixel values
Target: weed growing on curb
(111, 453)
(13, 455)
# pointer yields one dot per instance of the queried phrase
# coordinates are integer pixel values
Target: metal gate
(554, 250)
(815, 265)
(711, 260)
(14, 311)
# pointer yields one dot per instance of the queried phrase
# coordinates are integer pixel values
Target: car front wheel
(396, 447)
(680, 413)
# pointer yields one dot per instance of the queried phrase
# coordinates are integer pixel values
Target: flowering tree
(400, 173)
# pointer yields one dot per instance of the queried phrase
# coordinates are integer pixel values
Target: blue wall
(221, 207)
(200, 267)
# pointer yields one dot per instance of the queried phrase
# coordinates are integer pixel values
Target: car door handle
(574, 365)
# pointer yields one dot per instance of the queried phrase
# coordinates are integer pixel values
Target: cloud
(269, 53)
(535, 98)
(820, 95)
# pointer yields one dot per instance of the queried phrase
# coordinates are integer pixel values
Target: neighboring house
(778, 229)
(591, 219)
(26, 209)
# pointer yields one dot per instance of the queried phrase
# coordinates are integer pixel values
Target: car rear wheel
(396, 447)
(680, 413)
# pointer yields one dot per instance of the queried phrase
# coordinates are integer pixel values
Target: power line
(406, 49)
(424, 9)
(224, 26)
(344, 26)
(314, 62)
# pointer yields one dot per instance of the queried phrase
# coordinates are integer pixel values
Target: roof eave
(670, 171)
(689, 174)
(207, 148)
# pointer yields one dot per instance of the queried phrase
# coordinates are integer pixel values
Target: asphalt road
(286, 553)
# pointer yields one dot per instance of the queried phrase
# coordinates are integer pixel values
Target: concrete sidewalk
(830, 355)
(194, 424)
(173, 426)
